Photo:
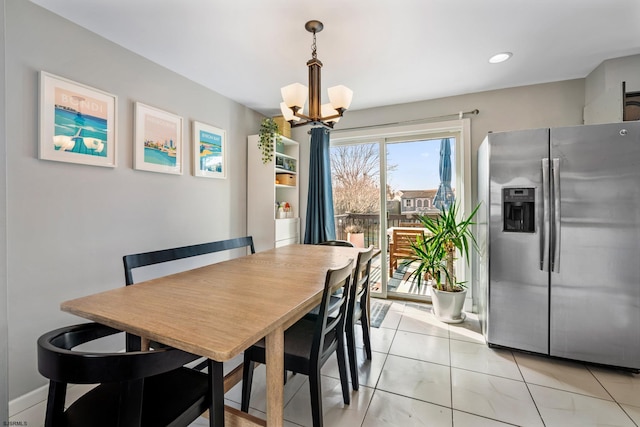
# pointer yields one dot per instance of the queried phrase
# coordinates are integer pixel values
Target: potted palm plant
(447, 235)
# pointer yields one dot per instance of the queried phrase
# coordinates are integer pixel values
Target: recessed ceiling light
(500, 57)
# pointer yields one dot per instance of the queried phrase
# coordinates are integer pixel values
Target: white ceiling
(387, 51)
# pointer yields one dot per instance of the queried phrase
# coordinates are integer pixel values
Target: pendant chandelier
(295, 95)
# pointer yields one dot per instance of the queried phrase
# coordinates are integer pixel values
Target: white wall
(603, 89)
(69, 225)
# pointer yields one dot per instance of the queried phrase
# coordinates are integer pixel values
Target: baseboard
(28, 400)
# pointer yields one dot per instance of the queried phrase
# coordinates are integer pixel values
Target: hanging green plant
(269, 134)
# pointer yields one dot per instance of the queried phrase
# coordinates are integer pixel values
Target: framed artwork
(77, 123)
(210, 151)
(157, 143)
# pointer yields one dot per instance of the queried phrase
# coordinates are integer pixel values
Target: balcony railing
(370, 223)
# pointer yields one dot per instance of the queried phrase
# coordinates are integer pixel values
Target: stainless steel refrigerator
(559, 229)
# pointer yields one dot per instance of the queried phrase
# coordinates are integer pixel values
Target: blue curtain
(320, 225)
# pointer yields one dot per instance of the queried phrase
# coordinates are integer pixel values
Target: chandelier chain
(314, 55)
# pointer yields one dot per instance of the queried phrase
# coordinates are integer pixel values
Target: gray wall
(69, 225)
(525, 107)
(4, 395)
(603, 89)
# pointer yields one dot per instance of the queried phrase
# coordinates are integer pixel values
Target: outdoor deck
(399, 286)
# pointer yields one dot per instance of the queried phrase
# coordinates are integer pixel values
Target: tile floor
(427, 373)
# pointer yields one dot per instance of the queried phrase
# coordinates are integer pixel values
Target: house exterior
(417, 201)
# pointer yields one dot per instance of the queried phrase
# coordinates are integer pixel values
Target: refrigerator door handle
(555, 184)
(544, 218)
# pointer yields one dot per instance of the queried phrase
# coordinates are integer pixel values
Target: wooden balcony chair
(309, 343)
(134, 388)
(410, 224)
(400, 247)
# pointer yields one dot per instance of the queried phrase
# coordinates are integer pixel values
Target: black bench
(173, 254)
(218, 383)
(166, 255)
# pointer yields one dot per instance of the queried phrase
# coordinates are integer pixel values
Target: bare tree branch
(355, 173)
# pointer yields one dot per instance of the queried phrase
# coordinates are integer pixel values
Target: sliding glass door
(419, 177)
(419, 182)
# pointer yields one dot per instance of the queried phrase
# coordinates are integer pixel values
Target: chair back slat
(173, 254)
(402, 240)
(337, 243)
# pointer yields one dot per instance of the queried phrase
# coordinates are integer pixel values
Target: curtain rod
(459, 114)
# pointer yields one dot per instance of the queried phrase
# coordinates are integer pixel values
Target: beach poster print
(158, 140)
(77, 122)
(209, 151)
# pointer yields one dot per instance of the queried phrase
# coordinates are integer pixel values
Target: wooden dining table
(219, 310)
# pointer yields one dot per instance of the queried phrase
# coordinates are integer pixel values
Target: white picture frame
(158, 141)
(77, 122)
(209, 151)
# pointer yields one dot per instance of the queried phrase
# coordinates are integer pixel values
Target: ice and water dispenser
(518, 210)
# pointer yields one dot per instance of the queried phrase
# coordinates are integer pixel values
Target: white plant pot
(447, 306)
(357, 239)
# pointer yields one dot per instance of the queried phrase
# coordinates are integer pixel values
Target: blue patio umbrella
(444, 197)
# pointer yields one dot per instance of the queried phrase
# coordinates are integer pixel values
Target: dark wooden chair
(309, 343)
(134, 388)
(342, 243)
(358, 309)
(337, 243)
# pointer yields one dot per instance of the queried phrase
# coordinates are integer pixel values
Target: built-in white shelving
(270, 184)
